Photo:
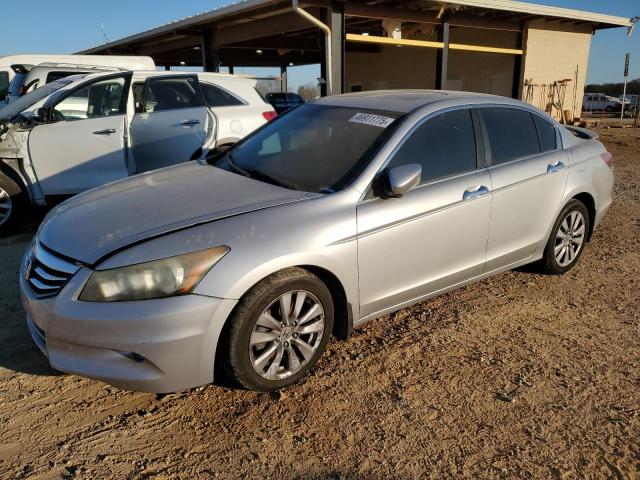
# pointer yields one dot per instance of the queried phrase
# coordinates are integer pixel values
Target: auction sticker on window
(373, 120)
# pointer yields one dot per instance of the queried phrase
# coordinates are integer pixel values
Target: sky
(56, 26)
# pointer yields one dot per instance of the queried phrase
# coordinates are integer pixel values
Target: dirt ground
(522, 375)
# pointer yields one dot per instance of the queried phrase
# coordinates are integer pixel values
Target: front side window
(99, 99)
(171, 94)
(315, 148)
(512, 133)
(443, 146)
(217, 97)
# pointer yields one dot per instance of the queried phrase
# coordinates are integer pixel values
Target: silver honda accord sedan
(242, 267)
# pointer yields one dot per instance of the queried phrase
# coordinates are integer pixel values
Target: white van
(14, 68)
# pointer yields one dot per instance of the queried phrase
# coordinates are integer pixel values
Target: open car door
(172, 124)
(82, 144)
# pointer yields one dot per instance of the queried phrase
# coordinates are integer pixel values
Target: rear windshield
(314, 148)
(21, 104)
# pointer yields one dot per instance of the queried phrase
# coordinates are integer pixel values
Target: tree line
(614, 89)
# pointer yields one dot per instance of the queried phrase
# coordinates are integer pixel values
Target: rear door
(172, 123)
(83, 144)
(528, 174)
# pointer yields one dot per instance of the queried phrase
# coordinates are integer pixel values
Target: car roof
(405, 101)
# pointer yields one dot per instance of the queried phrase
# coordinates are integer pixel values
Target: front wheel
(568, 236)
(11, 202)
(278, 331)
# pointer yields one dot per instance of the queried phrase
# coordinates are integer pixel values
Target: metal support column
(210, 57)
(518, 70)
(336, 23)
(283, 76)
(443, 57)
(333, 16)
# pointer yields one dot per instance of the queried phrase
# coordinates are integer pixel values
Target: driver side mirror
(395, 182)
(42, 115)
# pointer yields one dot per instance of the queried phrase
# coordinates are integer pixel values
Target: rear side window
(444, 145)
(217, 97)
(546, 133)
(171, 94)
(512, 134)
(99, 99)
(4, 85)
(53, 76)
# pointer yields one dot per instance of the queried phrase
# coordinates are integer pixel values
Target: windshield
(314, 148)
(21, 104)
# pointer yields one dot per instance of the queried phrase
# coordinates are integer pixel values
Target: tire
(12, 203)
(566, 238)
(250, 336)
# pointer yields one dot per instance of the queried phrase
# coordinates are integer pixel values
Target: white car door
(435, 236)
(82, 144)
(173, 122)
(529, 176)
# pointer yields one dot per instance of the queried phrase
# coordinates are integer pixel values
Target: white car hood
(94, 224)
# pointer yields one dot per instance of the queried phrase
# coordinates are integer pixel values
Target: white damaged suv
(79, 133)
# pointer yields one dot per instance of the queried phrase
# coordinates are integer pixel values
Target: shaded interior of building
(382, 45)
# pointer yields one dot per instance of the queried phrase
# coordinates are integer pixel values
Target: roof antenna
(104, 33)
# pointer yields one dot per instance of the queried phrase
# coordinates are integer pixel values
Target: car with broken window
(241, 267)
(70, 136)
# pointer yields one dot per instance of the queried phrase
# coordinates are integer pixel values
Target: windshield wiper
(257, 174)
(235, 167)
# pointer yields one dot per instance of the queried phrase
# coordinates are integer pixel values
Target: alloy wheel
(5, 206)
(287, 335)
(569, 238)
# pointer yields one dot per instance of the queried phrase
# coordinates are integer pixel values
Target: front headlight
(157, 279)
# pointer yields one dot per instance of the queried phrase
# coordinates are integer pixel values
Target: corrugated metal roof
(598, 19)
(545, 11)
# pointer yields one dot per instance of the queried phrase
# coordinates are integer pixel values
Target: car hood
(94, 224)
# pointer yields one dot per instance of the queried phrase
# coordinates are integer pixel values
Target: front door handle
(555, 166)
(476, 191)
(106, 131)
(190, 123)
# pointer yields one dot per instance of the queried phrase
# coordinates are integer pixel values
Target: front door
(83, 143)
(435, 236)
(529, 175)
(172, 124)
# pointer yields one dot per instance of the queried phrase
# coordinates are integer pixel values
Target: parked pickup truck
(94, 129)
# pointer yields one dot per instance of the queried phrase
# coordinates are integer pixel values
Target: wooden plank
(351, 37)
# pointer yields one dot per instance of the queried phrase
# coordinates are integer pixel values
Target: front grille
(48, 272)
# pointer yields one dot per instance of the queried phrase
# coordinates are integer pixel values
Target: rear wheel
(278, 331)
(567, 239)
(11, 202)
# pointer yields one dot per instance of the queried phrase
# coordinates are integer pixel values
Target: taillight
(607, 158)
(22, 90)
(268, 116)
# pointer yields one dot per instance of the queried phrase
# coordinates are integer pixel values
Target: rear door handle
(106, 131)
(190, 123)
(555, 166)
(476, 191)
